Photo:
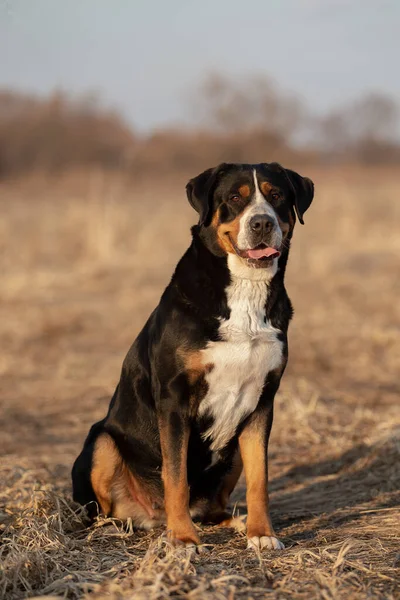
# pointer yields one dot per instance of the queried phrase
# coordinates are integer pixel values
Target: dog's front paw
(265, 541)
(188, 542)
(186, 537)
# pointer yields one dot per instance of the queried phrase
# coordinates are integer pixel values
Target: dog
(194, 404)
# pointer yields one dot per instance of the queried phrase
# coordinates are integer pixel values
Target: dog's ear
(200, 191)
(302, 189)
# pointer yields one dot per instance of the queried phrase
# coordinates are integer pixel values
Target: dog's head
(249, 210)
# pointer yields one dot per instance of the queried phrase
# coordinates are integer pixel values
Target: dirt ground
(83, 261)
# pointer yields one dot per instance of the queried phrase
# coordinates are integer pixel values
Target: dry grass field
(83, 261)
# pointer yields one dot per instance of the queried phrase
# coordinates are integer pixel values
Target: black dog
(195, 398)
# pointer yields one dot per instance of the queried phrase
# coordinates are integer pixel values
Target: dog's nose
(261, 224)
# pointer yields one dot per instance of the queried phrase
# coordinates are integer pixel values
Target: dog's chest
(248, 350)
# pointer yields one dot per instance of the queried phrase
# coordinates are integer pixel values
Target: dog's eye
(275, 195)
(235, 197)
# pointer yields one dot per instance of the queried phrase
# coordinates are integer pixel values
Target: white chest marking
(248, 350)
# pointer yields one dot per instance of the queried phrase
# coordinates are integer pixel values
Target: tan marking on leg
(252, 449)
(131, 499)
(176, 490)
(143, 495)
(106, 461)
(118, 492)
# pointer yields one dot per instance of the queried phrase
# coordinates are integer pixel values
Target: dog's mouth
(262, 252)
(260, 256)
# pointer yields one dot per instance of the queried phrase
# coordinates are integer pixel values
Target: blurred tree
(366, 130)
(249, 104)
(59, 132)
(374, 118)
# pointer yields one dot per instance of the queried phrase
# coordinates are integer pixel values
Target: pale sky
(146, 57)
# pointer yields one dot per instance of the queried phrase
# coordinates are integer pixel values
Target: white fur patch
(248, 350)
(257, 206)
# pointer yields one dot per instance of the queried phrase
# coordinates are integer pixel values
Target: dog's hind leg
(105, 464)
(82, 489)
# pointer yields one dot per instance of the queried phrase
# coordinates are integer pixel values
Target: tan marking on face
(244, 191)
(285, 227)
(265, 188)
(227, 232)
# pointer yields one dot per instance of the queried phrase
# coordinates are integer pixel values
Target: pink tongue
(268, 252)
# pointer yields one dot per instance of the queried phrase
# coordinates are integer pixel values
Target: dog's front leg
(253, 443)
(174, 436)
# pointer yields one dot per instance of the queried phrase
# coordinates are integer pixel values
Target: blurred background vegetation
(236, 120)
